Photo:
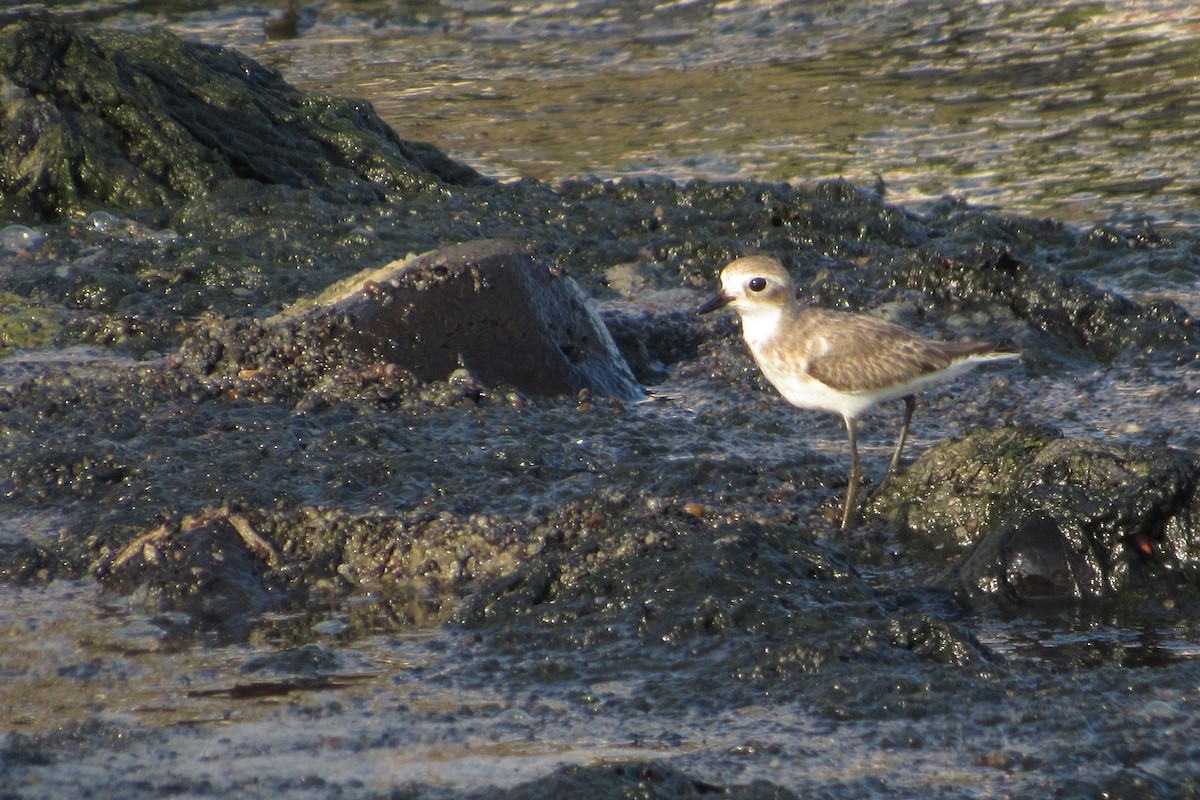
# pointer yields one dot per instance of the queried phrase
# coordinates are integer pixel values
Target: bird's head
(753, 284)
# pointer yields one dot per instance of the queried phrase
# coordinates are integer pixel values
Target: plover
(835, 360)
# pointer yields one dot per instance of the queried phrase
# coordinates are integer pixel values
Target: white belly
(799, 389)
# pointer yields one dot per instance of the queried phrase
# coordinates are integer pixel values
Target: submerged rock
(120, 120)
(649, 780)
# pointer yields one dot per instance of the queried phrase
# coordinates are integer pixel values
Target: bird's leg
(855, 472)
(910, 403)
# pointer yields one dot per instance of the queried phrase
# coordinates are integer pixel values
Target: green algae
(953, 493)
(27, 325)
(201, 117)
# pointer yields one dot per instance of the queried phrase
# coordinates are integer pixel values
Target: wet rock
(113, 119)
(310, 367)
(1041, 563)
(211, 567)
(1075, 314)
(27, 325)
(271, 194)
(419, 564)
(674, 561)
(750, 603)
(650, 780)
(20, 240)
(1040, 517)
(660, 579)
(492, 308)
(935, 639)
(955, 491)
(651, 339)
(308, 659)
(72, 469)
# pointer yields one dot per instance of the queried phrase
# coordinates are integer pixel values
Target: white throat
(759, 323)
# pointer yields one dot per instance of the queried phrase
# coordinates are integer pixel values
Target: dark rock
(672, 585)
(1045, 518)
(650, 339)
(490, 307)
(935, 639)
(955, 491)
(308, 659)
(751, 603)
(1077, 315)
(650, 780)
(119, 120)
(1040, 563)
(210, 566)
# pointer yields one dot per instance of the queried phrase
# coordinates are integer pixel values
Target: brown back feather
(867, 354)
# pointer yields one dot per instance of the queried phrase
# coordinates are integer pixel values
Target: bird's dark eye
(757, 284)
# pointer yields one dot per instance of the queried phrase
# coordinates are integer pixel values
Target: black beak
(718, 300)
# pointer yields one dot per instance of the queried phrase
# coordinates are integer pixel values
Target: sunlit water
(1088, 112)
(383, 712)
(1085, 111)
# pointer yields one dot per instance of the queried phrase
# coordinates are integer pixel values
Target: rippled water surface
(1086, 111)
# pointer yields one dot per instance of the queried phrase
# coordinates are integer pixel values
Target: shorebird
(835, 360)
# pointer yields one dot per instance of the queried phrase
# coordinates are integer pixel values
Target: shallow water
(1086, 112)
(140, 712)
(1083, 111)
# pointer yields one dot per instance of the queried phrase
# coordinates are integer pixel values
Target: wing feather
(853, 353)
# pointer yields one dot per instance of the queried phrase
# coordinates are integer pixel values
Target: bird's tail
(978, 351)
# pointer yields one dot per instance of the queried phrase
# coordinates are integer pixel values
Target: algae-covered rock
(1077, 315)
(958, 489)
(108, 118)
(1090, 519)
(27, 324)
(616, 573)
(1042, 517)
